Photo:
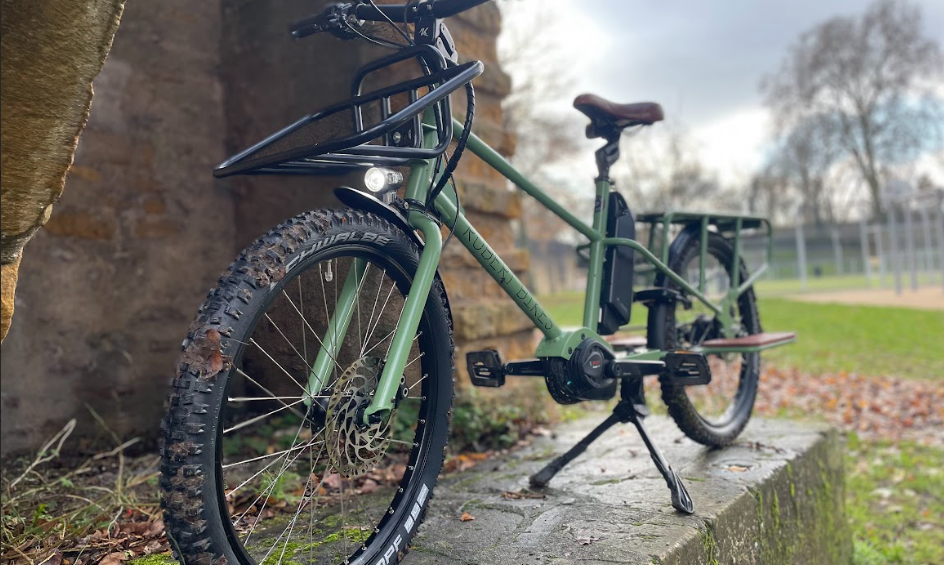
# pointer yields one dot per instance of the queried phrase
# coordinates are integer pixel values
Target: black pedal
(686, 368)
(485, 368)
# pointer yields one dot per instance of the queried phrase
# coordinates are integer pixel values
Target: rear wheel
(716, 413)
(257, 469)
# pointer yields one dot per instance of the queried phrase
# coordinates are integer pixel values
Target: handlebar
(334, 17)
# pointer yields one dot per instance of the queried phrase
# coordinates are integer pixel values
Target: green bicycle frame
(556, 342)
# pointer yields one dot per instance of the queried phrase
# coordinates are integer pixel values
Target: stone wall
(143, 230)
(485, 317)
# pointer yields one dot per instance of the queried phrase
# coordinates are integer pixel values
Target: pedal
(687, 368)
(485, 368)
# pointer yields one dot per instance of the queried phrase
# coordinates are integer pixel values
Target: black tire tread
(679, 406)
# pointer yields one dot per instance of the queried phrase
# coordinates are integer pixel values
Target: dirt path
(925, 298)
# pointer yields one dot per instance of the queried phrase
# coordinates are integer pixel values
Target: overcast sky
(702, 60)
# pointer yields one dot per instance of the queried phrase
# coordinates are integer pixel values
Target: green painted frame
(556, 342)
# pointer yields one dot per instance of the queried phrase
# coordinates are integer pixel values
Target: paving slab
(775, 497)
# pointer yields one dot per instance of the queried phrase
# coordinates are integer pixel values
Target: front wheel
(716, 413)
(258, 466)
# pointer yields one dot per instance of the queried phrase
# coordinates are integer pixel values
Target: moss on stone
(711, 546)
(154, 559)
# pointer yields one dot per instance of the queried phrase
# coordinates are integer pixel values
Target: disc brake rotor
(353, 447)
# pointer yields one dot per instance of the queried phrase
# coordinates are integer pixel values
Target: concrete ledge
(776, 497)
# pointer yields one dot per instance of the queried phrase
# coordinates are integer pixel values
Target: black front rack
(366, 130)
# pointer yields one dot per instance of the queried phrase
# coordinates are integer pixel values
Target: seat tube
(591, 307)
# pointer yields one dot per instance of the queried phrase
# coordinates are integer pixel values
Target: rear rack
(365, 130)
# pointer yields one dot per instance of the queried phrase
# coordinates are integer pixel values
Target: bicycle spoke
(281, 454)
(357, 301)
(393, 287)
(421, 379)
(301, 308)
(252, 398)
(267, 391)
(261, 457)
(266, 353)
(400, 441)
(291, 527)
(271, 487)
(343, 519)
(393, 331)
(313, 332)
(258, 418)
(289, 342)
(285, 465)
(372, 309)
(334, 319)
(414, 360)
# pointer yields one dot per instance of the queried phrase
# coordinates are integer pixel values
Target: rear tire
(211, 437)
(669, 329)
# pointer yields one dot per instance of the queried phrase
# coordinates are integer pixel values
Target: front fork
(397, 356)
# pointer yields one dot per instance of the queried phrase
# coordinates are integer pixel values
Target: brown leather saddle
(609, 116)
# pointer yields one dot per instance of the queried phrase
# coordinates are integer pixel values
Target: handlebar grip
(306, 26)
(410, 12)
(446, 8)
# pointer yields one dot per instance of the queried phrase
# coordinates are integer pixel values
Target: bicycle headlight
(378, 179)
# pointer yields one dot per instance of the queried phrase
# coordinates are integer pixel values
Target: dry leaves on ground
(874, 407)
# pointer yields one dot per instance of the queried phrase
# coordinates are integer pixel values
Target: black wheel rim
(728, 398)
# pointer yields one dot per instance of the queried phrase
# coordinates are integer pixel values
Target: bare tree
(548, 134)
(874, 75)
(663, 170)
(804, 160)
(768, 192)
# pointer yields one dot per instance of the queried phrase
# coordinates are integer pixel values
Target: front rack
(367, 130)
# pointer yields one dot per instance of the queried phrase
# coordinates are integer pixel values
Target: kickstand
(631, 408)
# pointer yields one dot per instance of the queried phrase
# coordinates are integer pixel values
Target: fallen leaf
(737, 468)
(333, 481)
(523, 493)
(466, 517)
(116, 558)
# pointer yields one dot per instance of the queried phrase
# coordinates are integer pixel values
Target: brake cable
(453, 161)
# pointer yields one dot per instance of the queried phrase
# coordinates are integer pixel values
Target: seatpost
(609, 153)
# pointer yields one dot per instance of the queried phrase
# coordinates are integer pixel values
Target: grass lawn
(869, 340)
(832, 282)
(894, 493)
(895, 502)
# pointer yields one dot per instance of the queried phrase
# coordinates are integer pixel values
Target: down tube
(497, 268)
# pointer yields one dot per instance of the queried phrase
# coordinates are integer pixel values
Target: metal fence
(904, 249)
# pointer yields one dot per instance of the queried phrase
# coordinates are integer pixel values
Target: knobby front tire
(250, 474)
